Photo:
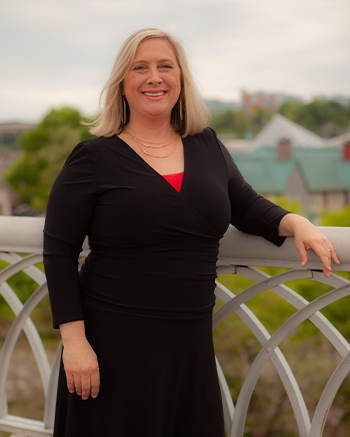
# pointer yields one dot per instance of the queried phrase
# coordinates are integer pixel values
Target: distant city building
(271, 101)
(10, 133)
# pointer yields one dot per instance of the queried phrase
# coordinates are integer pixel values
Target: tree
(327, 118)
(236, 121)
(260, 117)
(45, 149)
(223, 122)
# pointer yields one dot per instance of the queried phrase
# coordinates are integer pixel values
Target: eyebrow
(145, 62)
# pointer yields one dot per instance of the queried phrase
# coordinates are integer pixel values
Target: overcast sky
(60, 52)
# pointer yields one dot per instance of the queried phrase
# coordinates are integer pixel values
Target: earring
(124, 111)
(180, 104)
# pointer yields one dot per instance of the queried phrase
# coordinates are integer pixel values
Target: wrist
(289, 223)
(73, 332)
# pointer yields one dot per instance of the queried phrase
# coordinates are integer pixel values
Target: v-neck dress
(146, 290)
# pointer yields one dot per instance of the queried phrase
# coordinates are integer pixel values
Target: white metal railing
(238, 253)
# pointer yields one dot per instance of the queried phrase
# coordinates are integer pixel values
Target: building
(11, 133)
(286, 159)
(260, 100)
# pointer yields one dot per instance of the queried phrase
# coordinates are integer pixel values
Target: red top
(174, 179)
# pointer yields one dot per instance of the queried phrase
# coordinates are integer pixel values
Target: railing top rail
(237, 248)
(25, 234)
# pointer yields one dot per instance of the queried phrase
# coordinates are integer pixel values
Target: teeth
(155, 94)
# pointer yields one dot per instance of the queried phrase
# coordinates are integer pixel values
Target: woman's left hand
(307, 236)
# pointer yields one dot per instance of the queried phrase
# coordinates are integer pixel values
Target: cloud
(64, 51)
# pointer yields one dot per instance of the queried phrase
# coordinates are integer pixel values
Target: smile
(161, 93)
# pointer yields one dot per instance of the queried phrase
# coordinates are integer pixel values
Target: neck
(150, 129)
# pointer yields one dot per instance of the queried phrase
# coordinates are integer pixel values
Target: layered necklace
(154, 145)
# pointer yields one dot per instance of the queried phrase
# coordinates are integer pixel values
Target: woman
(155, 194)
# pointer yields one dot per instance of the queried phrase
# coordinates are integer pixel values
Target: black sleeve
(250, 212)
(69, 214)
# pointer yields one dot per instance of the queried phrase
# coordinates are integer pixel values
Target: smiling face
(152, 84)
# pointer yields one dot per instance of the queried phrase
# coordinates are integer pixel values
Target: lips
(154, 94)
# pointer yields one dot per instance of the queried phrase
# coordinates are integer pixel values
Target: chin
(159, 113)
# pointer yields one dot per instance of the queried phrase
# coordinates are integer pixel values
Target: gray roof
(280, 127)
(339, 140)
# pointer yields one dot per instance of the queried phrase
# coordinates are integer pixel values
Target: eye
(139, 67)
(165, 66)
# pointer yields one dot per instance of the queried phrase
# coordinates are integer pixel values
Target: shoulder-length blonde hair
(195, 114)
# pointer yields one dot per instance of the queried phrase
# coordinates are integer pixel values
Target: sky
(58, 53)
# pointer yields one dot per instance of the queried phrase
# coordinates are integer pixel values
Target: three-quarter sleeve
(250, 212)
(69, 215)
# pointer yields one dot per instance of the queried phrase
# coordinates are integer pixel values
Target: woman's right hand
(80, 361)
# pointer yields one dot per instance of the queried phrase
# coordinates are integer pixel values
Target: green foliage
(237, 122)
(339, 218)
(45, 149)
(326, 118)
(292, 205)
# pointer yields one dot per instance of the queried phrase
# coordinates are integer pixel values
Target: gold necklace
(143, 142)
(157, 156)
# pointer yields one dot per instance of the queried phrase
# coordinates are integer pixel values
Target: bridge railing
(238, 253)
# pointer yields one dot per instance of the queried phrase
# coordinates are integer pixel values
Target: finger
(325, 256)
(86, 386)
(326, 270)
(302, 254)
(333, 255)
(95, 384)
(77, 384)
(70, 382)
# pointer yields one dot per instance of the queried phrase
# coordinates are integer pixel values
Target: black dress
(146, 290)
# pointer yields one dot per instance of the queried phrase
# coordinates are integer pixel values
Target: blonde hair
(195, 111)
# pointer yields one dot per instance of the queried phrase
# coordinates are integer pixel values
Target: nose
(154, 76)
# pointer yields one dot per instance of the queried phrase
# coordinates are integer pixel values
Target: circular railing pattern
(23, 322)
(235, 414)
(235, 417)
